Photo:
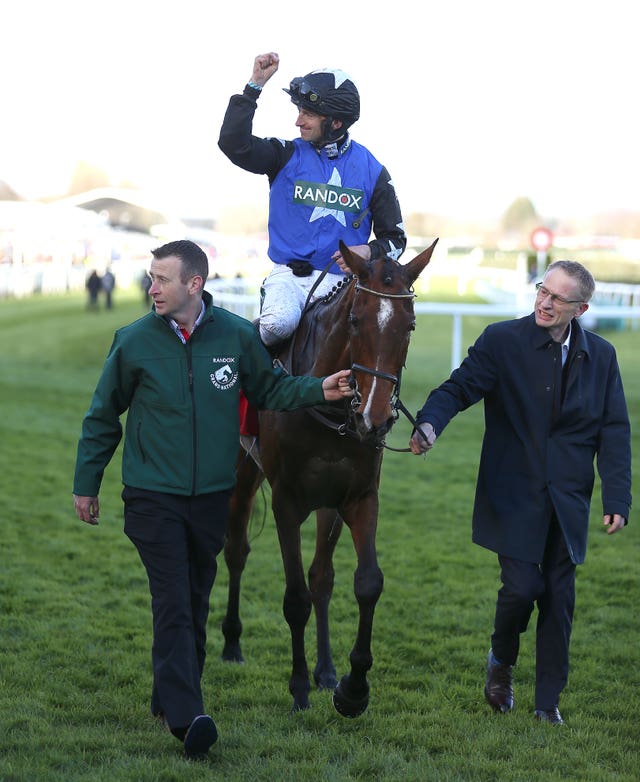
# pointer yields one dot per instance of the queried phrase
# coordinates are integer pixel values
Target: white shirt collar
(177, 330)
(566, 344)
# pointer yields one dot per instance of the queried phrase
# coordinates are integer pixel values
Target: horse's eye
(353, 320)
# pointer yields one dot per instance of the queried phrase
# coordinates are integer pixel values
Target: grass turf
(75, 623)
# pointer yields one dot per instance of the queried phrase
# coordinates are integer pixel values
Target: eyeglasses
(555, 299)
(302, 88)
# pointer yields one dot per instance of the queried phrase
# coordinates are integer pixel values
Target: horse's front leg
(321, 579)
(236, 551)
(296, 605)
(351, 696)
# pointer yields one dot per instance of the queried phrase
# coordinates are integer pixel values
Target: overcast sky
(469, 104)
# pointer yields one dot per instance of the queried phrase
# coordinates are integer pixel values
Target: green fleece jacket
(182, 428)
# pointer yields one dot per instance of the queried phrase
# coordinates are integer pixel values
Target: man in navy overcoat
(553, 401)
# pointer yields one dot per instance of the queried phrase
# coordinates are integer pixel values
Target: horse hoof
(346, 705)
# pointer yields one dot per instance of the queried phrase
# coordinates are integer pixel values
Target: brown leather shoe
(498, 689)
(552, 716)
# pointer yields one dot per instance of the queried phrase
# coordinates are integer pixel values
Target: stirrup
(251, 445)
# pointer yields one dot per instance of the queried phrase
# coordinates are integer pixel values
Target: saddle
(295, 356)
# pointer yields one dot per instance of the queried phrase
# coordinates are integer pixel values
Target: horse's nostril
(372, 434)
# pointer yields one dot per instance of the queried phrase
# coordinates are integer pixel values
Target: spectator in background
(93, 286)
(108, 284)
(145, 284)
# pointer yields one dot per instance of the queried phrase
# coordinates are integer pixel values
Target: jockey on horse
(324, 187)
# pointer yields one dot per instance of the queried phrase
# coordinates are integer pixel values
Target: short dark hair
(582, 275)
(194, 259)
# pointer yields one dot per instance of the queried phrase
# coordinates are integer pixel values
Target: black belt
(301, 268)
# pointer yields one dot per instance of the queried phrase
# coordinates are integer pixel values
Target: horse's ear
(412, 270)
(355, 262)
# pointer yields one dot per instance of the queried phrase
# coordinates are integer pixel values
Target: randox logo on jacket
(330, 196)
(224, 377)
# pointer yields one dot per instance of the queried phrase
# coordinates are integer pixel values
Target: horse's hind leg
(321, 578)
(351, 696)
(236, 551)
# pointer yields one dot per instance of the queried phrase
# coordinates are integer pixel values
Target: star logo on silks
(322, 211)
(393, 252)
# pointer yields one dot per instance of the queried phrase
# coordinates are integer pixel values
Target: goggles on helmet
(299, 87)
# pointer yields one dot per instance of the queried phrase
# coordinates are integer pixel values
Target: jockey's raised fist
(264, 66)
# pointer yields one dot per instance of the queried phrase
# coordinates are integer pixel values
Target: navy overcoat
(536, 457)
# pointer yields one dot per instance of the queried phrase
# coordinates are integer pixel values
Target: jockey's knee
(274, 331)
(269, 337)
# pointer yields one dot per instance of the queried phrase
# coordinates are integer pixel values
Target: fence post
(456, 344)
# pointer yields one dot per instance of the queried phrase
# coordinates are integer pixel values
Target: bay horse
(312, 463)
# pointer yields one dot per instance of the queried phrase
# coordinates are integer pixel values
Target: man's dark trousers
(550, 585)
(178, 539)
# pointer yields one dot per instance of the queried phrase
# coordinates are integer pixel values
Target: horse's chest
(332, 482)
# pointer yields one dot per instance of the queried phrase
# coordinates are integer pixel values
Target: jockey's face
(312, 126)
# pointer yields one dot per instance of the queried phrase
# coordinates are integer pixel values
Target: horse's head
(381, 320)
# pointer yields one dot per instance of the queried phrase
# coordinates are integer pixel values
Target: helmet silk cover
(329, 92)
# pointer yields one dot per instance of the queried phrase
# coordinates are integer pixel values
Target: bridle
(397, 405)
(408, 295)
(348, 427)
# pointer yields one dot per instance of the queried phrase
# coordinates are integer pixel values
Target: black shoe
(498, 689)
(202, 733)
(552, 716)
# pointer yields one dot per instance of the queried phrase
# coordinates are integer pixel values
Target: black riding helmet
(329, 92)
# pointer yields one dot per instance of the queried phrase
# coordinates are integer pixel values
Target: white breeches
(283, 298)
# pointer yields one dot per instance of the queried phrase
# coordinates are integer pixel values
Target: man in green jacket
(178, 371)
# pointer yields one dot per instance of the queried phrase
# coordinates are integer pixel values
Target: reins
(399, 406)
(321, 277)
